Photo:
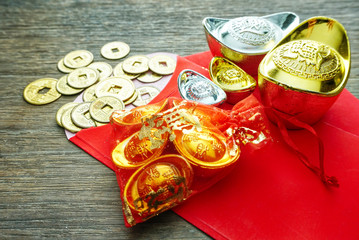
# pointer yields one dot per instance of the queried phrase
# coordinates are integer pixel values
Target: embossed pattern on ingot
(159, 185)
(252, 30)
(308, 59)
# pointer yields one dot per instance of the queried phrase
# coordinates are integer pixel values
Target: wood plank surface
(49, 188)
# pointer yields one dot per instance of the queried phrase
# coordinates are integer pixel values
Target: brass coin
(67, 122)
(136, 64)
(64, 88)
(81, 117)
(62, 68)
(118, 72)
(162, 64)
(82, 77)
(62, 110)
(78, 58)
(132, 98)
(41, 91)
(89, 94)
(102, 108)
(149, 77)
(145, 95)
(115, 50)
(104, 69)
(120, 87)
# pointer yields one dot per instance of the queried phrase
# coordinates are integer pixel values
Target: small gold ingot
(137, 150)
(232, 79)
(159, 185)
(307, 70)
(206, 149)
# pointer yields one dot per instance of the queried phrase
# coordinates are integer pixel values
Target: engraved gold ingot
(137, 150)
(206, 149)
(159, 185)
(308, 69)
(232, 79)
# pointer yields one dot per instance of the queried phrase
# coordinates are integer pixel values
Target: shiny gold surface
(104, 69)
(314, 57)
(82, 77)
(136, 64)
(78, 59)
(120, 87)
(64, 88)
(206, 149)
(102, 108)
(159, 185)
(162, 64)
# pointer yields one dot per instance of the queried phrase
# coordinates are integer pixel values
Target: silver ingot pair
(196, 87)
(246, 40)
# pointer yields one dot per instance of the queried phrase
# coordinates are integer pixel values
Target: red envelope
(271, 194)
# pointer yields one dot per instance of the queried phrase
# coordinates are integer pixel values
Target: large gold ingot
(307, 70)
(136, 150)
(206, 149)
(159, 185)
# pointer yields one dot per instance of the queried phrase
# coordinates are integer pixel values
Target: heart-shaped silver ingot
(245, 40)
(196, 87)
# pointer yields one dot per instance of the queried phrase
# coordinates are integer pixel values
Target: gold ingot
(159, 185)
(307, 70)
(206, 149)
(134, 116)
(232, 79)
(137, 150)
(41, 91)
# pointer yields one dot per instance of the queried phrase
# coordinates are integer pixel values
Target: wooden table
(50, 188)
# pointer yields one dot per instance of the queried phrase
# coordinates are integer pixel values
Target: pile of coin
(104, 89)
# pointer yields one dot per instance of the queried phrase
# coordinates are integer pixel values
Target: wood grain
(49, 188)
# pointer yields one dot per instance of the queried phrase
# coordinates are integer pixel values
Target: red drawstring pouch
(168, 151)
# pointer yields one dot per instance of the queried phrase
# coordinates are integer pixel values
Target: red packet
(270, 194)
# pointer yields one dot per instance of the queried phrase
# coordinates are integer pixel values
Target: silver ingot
(246, 40)
(196, 87)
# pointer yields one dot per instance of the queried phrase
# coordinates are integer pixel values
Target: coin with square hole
(135, 64)
(64, 88)
(67, 122)
(162, 64)
(61, 111)
(89, 94)
(82, 77)
(41, 91)
(102, 108)
(145, 95)
(104, 69)
(78, 58)
(118, 72)
(62, 68)
(132, 98)
(81, 117)
(119, 87)
(115, 50)
(149, 77)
